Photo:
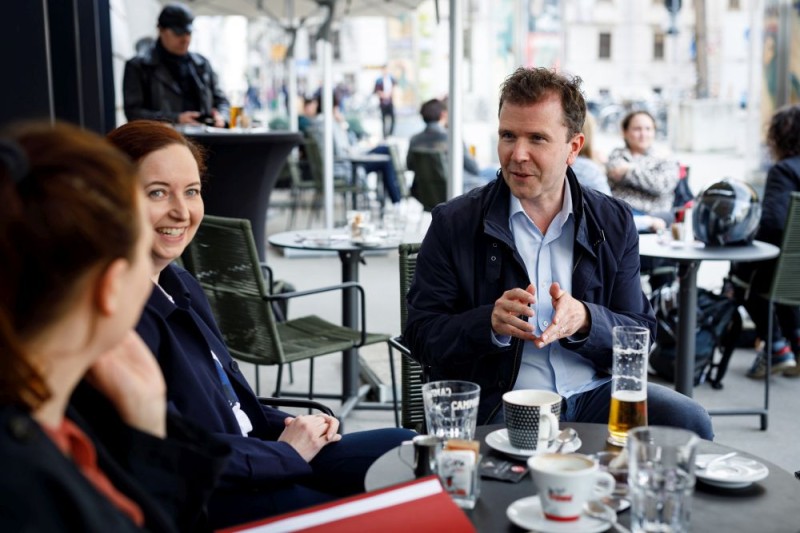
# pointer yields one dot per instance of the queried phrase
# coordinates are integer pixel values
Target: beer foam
(630, 395)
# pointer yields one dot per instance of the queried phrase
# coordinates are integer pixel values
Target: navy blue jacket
(177, 333)
(468, 259)
(42, 490)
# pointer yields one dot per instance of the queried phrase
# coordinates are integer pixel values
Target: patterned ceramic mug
(531, 418)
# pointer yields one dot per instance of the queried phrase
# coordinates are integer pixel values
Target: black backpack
(718, 327)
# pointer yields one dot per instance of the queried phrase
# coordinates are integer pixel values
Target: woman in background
(783, 178)
(638, 174)
(75, 275)
(279, 462)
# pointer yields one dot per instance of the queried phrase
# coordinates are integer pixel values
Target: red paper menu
(419, 506)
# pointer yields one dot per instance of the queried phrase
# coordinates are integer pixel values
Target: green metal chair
(224, 260)
(342, 184)
(411, 375)
(430, 176)
(785, 290)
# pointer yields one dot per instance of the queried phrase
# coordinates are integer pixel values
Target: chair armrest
(296, 402)
(266, 271)
(339, 287)
(397, 344)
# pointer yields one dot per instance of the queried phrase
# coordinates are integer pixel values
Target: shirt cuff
(501, 341)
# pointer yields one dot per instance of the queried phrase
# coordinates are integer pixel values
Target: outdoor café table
(689, 258)
(242, 168)
(769, 505)
(350, 255)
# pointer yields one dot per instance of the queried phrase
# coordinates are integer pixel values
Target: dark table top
(770, 505)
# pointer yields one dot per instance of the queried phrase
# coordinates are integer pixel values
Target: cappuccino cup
(565, 482)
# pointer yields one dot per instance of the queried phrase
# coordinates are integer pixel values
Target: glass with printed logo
(451, 408)
(631, 345)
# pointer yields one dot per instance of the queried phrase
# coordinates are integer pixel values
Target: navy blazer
(42, 490)
(468, 259)
(182, 335)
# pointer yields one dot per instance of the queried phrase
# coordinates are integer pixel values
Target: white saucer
(498, 440)
(527, 514)
(734, 473)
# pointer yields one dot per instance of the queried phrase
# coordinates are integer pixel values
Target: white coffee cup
(566, 481)
(531, 418)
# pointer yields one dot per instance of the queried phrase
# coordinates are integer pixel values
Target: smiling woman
(279, 462)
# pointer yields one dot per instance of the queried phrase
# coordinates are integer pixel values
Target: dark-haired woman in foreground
(74, 276)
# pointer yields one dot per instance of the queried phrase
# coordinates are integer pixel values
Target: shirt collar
(515, 206)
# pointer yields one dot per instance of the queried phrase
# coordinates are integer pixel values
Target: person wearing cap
(168, 82)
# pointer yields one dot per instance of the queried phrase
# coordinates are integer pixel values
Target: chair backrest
(430, 176)
(411, 378)
(786, 280)
(314, 158)
(223, 258)
(399, 169)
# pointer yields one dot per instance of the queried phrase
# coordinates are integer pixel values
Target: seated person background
(519, 283)
(639, 174)
(434, 137)
(588, 167)
(783, 178)
(343, 148)
(279, 462)
(75, 271)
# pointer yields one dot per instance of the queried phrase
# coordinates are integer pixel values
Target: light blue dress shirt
(548, 259)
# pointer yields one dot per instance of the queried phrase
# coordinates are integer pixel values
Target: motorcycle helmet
(726, 213)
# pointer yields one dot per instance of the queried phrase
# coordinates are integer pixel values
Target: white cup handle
(553, 423)
(604, 485)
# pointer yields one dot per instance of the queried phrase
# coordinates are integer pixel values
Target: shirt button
(235, 366)
(543, 284)
(494, 245)
(545, 323)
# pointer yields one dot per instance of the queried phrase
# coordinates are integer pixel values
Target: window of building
(604, 51)
(658, 45)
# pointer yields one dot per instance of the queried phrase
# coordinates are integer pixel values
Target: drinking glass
(451, 408)
(661, 478)
(628, 382)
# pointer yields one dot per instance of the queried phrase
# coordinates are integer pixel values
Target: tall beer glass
(628, 382)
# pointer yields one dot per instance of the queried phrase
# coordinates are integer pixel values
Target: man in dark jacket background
(167, 82)
(519, 283)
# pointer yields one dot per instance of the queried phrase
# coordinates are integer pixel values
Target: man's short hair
(176, 17)
(527, 86)
(432, 110)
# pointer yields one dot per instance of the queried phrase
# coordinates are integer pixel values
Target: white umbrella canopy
(281, 10)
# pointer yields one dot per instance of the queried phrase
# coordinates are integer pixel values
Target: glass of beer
(236, 116)
(628, 382)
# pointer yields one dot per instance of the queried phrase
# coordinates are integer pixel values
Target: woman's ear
(108, 288)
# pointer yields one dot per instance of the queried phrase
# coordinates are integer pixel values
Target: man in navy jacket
(519, 283)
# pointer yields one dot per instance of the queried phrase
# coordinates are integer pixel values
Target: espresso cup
(531, 418)
(566, 481)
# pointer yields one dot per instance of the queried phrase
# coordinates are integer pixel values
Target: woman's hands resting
(308, 434)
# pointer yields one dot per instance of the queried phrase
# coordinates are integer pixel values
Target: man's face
(174, 43)
(534, 150)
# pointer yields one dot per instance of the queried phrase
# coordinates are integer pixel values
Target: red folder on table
(418, 506)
